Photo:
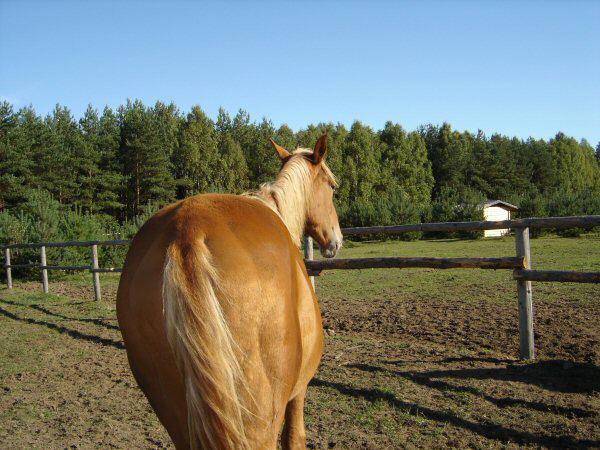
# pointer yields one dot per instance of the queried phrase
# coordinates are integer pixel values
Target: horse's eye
(332, 187)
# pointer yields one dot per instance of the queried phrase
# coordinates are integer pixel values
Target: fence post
(309, 254)
(44, 270)
(96, 275)
(8, 269)
(527, 345)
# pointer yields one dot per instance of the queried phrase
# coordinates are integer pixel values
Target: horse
(221, 324)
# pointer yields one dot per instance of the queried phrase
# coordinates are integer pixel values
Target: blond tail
(204, 349)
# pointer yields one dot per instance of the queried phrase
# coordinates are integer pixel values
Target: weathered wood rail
(93, 267)
(531, 222)
(507, 262)
(520, 264)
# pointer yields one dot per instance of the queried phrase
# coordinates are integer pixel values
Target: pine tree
(544, 171)
(88, 178)
(196, 160)
(362, 154)
(263, 164)
(145, 160)
(60, 161)
(232, 169)
(575, 162)
(285, 137)
(258, 152)
(450, 153)
(101, 179)
(15, 166)
(111, 191)
(406, 168)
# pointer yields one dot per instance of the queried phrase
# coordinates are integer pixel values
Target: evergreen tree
(285, 137)
(224, 124)
(232, 168)
(406, 169)
(362, 154)
(543, 177)
(577, 169)
(88, 179)
(15, 166)
(196, 160)
(263, 164)
(61, 161)
(116, 164)
(111, 190)
(450, 153)
(479, 163)
(101, 179)
(258, 152)
(145, 160)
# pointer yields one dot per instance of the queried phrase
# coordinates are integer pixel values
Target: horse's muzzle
(332, 249)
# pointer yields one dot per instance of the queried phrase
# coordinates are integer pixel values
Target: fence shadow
(490, 431)
(61, 329)
(425, 379)
(99, 322)
(568, 377)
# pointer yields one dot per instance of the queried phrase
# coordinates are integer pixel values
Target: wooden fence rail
(520, 264)
(507, 262)
(93, 267)
(531, 222)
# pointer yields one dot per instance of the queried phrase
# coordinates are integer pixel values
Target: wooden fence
(93, 267)
(520, 264)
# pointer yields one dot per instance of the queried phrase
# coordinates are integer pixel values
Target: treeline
(58, 173)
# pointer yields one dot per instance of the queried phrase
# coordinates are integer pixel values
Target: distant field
(414, 357)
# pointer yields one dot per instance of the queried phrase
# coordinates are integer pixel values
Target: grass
(582, 254)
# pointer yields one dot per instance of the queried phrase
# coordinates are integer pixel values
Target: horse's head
(321, 219)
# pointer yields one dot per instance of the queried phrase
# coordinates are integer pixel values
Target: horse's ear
(320, 149)
(282, 152)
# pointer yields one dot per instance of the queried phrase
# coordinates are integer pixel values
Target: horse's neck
(283, 198)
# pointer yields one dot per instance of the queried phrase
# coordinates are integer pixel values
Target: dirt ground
(399, 371)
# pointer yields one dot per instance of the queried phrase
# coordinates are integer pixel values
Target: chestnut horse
(221, 324)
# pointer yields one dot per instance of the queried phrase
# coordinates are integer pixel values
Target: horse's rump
(229, 271)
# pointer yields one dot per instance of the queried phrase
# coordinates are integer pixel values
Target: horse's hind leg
(294, 433)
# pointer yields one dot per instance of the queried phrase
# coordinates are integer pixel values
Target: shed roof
(500, 203)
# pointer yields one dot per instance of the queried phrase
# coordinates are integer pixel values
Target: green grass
(25, 352)
(84, 278)
(582, 254)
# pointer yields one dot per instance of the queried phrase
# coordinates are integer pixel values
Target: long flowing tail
(204, 349)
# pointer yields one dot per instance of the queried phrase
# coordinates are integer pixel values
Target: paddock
(520, 264)
(415, 356)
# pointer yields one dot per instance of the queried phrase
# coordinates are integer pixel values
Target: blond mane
(290, 194)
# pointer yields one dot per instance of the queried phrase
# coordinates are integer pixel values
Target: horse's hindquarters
(140, 315)
(262, 296)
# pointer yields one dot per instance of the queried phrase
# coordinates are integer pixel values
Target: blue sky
(522, 68)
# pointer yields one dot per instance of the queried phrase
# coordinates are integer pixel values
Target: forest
(100, 176)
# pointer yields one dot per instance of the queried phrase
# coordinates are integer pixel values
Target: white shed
(496, 210)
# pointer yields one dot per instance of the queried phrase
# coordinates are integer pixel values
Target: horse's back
(262, 291)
